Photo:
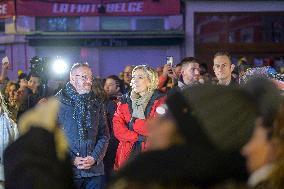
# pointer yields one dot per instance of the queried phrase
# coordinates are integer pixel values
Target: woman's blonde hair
(151, 74)
(6, 89)
(3, 104)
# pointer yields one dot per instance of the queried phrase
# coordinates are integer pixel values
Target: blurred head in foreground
(196, 140)
(260, 151)
(38, 158)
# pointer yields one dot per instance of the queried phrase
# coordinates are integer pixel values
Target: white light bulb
(59, 66)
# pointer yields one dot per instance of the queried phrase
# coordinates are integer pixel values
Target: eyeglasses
(85, 77)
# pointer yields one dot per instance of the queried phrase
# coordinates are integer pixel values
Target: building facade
(250, 29)
(108, 34)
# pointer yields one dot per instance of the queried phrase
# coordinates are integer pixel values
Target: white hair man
(81, 118)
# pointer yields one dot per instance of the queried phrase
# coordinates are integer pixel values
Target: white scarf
(139, 104)
(260, 175)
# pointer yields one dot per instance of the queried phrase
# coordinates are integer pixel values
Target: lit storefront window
(115, 23)
(150, 24)
(229, 28)
(58, 24)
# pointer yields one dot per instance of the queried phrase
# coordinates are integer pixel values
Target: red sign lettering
(90, 8)
(3, 9)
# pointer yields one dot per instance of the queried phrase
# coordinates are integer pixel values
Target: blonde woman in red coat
(133, 111)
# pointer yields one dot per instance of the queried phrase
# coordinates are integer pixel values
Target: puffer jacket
(129, 130)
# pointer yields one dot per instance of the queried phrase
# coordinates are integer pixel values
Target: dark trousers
(90, 182)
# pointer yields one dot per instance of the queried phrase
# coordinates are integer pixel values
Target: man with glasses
(127, 76)
(223, 68)
(82, 120)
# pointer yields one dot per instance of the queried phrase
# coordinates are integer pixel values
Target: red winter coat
(121, 126)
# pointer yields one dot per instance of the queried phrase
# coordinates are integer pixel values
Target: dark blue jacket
(98, 136)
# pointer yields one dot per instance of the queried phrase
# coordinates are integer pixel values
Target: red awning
(91, 7)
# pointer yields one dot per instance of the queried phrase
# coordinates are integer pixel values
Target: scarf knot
(139, 104)
(82, 110)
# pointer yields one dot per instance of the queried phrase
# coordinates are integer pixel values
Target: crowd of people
(164, 128)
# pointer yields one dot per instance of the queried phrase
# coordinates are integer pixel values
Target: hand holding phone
(5, 62)
(170, 60)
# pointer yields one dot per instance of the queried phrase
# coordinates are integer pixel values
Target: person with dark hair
(205, 77)
(223, 68)
(276, 177)
(260, 151)
(98, 88)
(189, 72)
(23, 90)
(109, 107)
(178, 69)
(113, 87)
(22, 80)
(35, 93)
(82, 120)
(35, 83)
(195, 142)
(127, 75)
(132, 113)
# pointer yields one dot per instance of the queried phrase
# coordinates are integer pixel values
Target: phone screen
(5, 60)
(170, 60)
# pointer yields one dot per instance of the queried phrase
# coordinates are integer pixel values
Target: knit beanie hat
(219, 116)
